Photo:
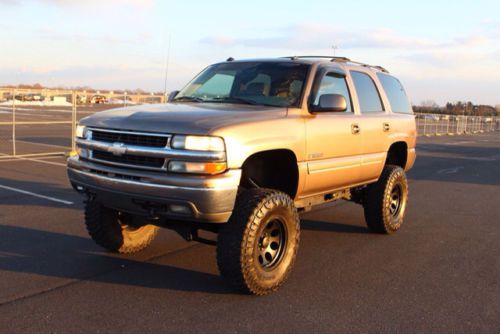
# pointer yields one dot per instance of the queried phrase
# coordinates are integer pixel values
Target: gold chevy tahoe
(242, 150)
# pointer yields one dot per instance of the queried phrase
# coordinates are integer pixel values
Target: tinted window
(369, 99)
(395, 93)
(219, 85)
(333, 84)
(278, 84)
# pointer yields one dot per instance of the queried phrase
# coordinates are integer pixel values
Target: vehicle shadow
(30, 251)
(315, 225)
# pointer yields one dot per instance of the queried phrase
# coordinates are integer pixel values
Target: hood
(181, 118)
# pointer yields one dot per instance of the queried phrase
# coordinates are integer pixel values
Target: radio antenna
(167, 63)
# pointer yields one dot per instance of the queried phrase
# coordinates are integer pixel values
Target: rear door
(374, 124)
(334, 143)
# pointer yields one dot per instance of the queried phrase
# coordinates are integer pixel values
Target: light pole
(334, 47)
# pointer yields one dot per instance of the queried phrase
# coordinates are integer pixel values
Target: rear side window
(368, 96)
(395, 93)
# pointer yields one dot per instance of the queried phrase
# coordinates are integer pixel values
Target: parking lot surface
(440, 273)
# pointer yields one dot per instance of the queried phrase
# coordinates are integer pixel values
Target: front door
(334, 139)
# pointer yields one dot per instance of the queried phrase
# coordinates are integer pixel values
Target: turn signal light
(197, 167)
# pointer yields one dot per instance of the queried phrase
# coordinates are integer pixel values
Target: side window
(333, 84)
(369, 99)
(395, 93)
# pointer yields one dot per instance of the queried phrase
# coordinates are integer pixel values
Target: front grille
(127, 159)
(130, 138)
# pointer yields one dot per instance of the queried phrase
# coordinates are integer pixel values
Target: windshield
(277, 84)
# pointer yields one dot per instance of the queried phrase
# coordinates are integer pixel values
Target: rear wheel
(116, 231)
(256, 249)
(385, 201)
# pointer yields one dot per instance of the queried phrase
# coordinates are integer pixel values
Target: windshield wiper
(235, 99)
(189, 99)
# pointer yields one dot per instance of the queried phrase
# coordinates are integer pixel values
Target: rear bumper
(204, 198)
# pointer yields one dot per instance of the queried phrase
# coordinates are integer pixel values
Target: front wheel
(256, 249)
(385, 201)
(115, 231)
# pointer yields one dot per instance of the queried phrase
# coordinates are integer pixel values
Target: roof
(314, 60)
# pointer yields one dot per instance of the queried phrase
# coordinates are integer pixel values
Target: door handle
(386, 127)
(355, 129)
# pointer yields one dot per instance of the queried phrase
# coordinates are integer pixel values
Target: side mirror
(172, 95)
(331, 103)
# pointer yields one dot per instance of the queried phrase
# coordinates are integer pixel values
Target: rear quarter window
(395, 93)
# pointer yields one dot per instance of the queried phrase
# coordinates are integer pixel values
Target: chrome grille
(153, 141)
(148, 140)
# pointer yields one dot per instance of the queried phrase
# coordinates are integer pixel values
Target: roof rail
(341, 59)
(381, 68)
(333, 58)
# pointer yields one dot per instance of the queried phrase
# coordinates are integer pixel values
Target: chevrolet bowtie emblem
(117, 149)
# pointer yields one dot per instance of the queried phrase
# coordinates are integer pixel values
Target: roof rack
(333, 58)
(340, 59)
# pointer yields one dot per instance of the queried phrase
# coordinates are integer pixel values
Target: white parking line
(450, 170)
(17, 158)
(53, 199)
(44, 158)
(44, 162)
(37, 160)
(39, 144)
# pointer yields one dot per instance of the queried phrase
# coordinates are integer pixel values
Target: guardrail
(439, 124)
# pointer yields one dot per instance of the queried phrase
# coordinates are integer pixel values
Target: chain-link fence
(439, 124)
(43, 122)
(33, 123)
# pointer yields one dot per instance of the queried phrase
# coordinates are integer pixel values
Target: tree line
(457, 108)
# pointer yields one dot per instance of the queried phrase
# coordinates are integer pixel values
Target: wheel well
(397, 155)
(275, 169)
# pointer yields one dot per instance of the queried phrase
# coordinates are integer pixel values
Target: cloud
(137, 38)
(317, 36)
(321, 36)
(145, 4)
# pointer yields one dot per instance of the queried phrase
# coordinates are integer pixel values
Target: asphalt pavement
(439, 273)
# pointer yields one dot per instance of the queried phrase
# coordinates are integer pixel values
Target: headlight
(198, 143)
(197, 167)
(81, 131)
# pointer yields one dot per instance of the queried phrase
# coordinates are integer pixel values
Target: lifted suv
(241, 151)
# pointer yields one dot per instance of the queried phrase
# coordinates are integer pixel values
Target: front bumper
(208, 198)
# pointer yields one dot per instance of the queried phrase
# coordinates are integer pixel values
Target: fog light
(180, 209)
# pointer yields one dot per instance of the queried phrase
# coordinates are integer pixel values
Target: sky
(441, 50)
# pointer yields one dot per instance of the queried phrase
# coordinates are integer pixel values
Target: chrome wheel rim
(271, 244)
(396, 200)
